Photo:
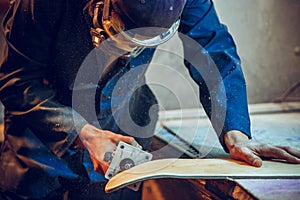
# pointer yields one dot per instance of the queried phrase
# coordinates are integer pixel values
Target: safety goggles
(131, 41)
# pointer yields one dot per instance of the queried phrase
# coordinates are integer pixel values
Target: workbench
(276, 124)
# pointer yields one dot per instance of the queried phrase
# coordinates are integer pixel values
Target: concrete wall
(267, 34)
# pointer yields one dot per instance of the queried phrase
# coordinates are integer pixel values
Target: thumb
(246, 155)
(255, 161)
(252, 159)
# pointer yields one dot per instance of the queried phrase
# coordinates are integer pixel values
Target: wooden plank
(201, 168)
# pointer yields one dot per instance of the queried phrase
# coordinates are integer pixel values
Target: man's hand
(241, 148)
(98, 142)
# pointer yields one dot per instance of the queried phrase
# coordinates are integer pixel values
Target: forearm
(221, 82)
(225, 101)
(55, 125)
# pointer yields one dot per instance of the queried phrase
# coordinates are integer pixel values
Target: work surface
(272, 123)
(276, 124)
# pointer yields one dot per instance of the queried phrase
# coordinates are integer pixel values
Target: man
(47, 41)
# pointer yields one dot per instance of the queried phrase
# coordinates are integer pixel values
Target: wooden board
(200, 168)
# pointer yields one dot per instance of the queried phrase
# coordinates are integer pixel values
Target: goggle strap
(99, 6)
(106, 10)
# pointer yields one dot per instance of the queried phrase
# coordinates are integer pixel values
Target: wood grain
(201, 168)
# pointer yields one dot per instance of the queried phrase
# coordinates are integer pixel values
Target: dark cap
(151, 13)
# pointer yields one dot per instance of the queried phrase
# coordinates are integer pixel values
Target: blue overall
(48, 41)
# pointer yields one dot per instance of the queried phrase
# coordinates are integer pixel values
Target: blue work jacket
(47, 41)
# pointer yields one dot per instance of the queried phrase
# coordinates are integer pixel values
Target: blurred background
(267, 38)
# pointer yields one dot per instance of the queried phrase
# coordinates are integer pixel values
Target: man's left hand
(241, 148)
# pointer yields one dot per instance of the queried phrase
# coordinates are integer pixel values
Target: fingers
(252, 159)
(255, 161)
(291, 151)
(127, 139)
(285, 153)
(244, 154)
(131, 141)
(99, 166)
(99, 142)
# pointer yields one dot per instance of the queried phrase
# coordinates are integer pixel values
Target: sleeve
(200, 22)
(30, 28)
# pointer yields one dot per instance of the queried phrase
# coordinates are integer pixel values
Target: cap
(150, 13)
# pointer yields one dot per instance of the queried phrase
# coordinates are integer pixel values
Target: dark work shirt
(48, 42)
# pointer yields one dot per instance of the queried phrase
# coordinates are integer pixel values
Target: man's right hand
(98, 142)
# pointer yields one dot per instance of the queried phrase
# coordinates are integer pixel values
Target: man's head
(149, 13)
(133, 24)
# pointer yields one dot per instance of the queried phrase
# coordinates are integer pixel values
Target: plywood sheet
(201, 168)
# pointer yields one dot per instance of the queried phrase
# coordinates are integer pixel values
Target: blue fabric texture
(46, 47)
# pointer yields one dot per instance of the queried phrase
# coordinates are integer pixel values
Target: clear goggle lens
(134, 40)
